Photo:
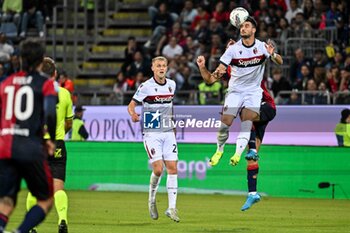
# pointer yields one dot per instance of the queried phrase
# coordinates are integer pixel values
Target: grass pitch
(110, 212)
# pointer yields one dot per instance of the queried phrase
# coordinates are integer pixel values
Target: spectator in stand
(187, 15)
(308, 10)
(172, 50)
(331, 14)
(293, 10)
(319, 58)
(302, 28)
(279, 83)
(322, 96)
(11, 11)
(176, 31)
(65, 81)
(129, 52)
(280, 3)
(174, 8)
(32, 15)
(319, 74)
(261, 11)
(139, 79)
(140, 64)
(190, 48)
(202, 14)
(6, 49)
(295, 69)
(15, 65)
(310, 98)
(306, 76)
(294, 98)
(161, 23)
(283, 30)
(3, 76)
(345, 79)
(174, 74)
(216, 28)
(216, 49)
(221, 15)
(202, 32)
(333, 79)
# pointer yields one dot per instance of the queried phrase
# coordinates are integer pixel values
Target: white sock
(222, 136)
(171, 184)
(153, 187)
(243, 136)
(252, 193)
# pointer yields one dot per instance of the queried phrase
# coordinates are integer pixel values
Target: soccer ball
(238, 16)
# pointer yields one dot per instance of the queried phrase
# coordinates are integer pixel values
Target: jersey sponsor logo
(154, 99)
(151, 120)
(248, 62)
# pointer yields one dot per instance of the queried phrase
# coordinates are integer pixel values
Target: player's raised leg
(232, 104)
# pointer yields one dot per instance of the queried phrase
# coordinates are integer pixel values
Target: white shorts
(235, 101)
(160, 146)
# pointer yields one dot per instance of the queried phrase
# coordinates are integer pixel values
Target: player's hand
(270, 46)
(135, 117)
(50, 147)
(201, 61)
(230, 42)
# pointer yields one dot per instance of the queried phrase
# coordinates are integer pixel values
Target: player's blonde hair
(159, 58)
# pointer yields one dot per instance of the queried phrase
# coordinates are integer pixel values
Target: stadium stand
(95, 42)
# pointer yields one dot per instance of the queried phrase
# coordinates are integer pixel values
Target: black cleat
(63, 228)
(33, 231)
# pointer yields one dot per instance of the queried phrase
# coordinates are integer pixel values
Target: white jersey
(157, 101)
(247, 66)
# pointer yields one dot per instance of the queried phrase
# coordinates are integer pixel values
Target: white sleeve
(140, 94)
(227, 57)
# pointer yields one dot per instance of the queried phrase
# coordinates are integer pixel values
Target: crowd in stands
(182, 30)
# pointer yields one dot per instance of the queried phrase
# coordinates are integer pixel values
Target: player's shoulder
(259, 42)
(171, 82)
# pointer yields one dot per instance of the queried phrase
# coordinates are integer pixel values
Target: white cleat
(172, 214)
(152, 207)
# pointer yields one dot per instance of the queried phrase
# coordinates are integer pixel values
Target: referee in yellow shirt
(58, 161)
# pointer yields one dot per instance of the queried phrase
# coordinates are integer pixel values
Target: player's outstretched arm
(276, 58)
(131, 110)
(206, 75)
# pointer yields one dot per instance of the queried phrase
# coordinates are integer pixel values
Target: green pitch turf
(110, 212)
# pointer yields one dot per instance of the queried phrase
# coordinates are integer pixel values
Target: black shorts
(36, 173)
(58, 162)
(267, 113)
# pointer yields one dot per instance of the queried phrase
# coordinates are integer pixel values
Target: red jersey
(23, 115)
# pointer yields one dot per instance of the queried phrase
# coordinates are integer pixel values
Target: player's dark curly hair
(32, 54)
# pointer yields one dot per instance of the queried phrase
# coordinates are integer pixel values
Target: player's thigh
(170, 150)
(37, 175)
(233, 104)
(267, 112)
(10, 179)
(153, 145)
(58, 162)
(251, 103)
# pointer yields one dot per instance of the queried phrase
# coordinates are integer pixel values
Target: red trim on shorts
(252, 166)
(149, 154)
(48, 177)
